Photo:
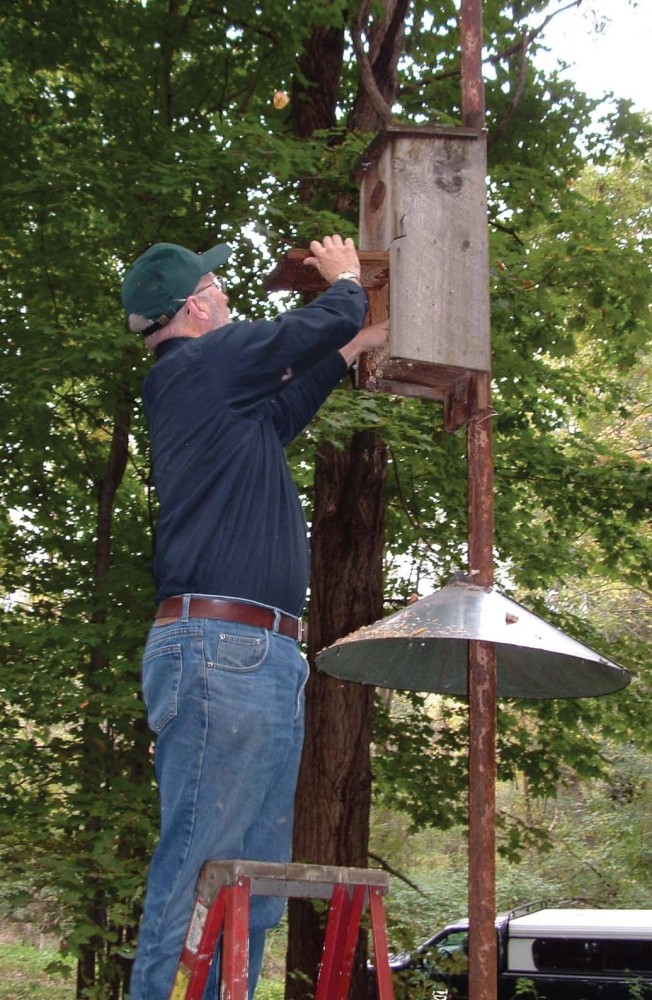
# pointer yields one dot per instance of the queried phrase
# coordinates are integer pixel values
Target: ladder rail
(222, 908)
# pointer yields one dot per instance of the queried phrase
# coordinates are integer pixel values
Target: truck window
(454, 943)
(628, 956)
(567, 955)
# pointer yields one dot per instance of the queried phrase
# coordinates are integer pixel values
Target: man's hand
(369, 338)
(334, 256)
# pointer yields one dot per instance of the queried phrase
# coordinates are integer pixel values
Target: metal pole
(483, 956)
(471, 53)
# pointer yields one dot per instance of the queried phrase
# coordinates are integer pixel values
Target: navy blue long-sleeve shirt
(221, 408)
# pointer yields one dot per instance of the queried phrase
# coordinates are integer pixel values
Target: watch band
(348, 276)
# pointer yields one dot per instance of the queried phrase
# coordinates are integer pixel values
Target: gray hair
(138, 323)
(174, 327)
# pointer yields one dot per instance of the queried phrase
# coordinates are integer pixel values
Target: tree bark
(93, 763)
(377, 62)
(334, 790)
(313, 108)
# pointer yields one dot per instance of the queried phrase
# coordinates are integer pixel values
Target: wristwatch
(348, 276)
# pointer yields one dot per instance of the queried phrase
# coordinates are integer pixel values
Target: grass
(270, 989)
(24, 973)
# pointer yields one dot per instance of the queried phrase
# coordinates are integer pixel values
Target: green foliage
(420, 760)
(525, 988)
(268, 990)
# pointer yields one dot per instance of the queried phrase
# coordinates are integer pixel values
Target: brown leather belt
(232, 611)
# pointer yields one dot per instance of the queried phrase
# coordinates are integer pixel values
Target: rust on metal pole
(473, 111)
(483, 952)
(480, 490)
(483, 956)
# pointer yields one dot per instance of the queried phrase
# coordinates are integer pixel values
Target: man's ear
(197, 308)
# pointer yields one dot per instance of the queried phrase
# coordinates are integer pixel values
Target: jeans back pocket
(161, 679)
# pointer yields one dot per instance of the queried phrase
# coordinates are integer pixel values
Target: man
(223, 676)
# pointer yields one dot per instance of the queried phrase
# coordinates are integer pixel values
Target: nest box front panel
(423, 198)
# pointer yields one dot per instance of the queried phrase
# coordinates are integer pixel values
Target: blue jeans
(226, 702)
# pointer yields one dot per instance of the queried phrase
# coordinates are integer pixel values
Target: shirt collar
(169, 345)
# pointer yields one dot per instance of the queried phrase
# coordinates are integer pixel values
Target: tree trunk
(94, 737)
(334, 790)
(383, 26)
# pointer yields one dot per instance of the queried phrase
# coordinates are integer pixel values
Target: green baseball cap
(161, 279)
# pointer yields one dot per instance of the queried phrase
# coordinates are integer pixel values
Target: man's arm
(253, 360)
(295, 407)
(369, 338)
(335, 259)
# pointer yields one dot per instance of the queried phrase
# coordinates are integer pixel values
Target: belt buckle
(297, 635)
(298, 628)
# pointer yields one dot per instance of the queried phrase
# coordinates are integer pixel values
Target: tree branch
(385, 865)
(367, 79)
(518, 92)
(510, 230)
(520, 48)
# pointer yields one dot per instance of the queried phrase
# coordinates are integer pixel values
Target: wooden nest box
(424, 253)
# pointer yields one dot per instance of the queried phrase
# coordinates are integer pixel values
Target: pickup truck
(544, 953)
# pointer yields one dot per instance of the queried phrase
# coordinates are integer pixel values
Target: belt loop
(277, 621)
(185, 607)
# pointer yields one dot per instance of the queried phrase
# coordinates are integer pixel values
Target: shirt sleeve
(292, 410)
(253, 361)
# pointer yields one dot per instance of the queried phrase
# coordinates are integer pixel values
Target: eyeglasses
(217, 281)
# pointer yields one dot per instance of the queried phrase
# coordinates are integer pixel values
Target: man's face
(214, 299)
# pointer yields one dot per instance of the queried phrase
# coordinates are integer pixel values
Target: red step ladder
(224, 891)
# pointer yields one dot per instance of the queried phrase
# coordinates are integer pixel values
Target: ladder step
(224, 890)
(270, 878)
